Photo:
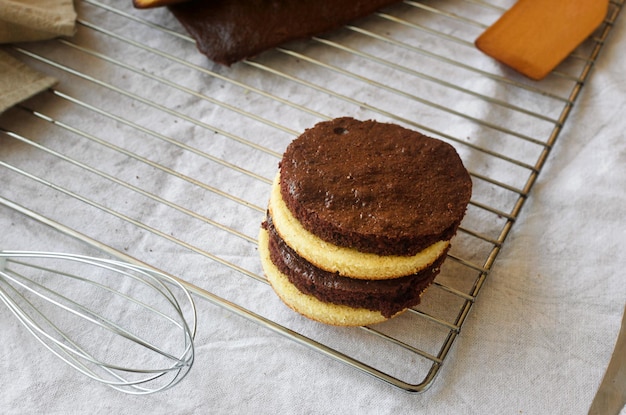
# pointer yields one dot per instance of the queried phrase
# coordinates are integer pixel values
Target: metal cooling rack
(412, 64)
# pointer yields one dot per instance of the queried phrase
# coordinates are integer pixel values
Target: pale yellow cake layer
(346, 261)
(307, 305)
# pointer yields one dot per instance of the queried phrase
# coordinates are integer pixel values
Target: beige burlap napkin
(19, 82)
(29, 20)
(25, 21)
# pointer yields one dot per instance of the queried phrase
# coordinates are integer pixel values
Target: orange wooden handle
(148, 4)
(534, 36)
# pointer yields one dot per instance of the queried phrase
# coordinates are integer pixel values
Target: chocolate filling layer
(387, 296)
(374, 187)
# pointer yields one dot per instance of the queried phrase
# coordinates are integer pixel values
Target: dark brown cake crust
(228, 31)
(387, 296)
(375, 187)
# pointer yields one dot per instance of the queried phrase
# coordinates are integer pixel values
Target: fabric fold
(31, 20)
(18, 82)
(26, 21)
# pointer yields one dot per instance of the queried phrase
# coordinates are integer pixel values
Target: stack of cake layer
(360, 219)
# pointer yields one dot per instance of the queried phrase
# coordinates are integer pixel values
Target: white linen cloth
(562, 269)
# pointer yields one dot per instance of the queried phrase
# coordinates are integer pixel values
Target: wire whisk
(124, 325)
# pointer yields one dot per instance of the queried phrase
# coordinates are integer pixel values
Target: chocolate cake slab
(228, 31)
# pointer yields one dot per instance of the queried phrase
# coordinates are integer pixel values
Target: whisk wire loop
(20, 292)
(88, 314)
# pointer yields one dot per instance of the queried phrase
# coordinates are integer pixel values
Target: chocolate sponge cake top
(375, 187)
